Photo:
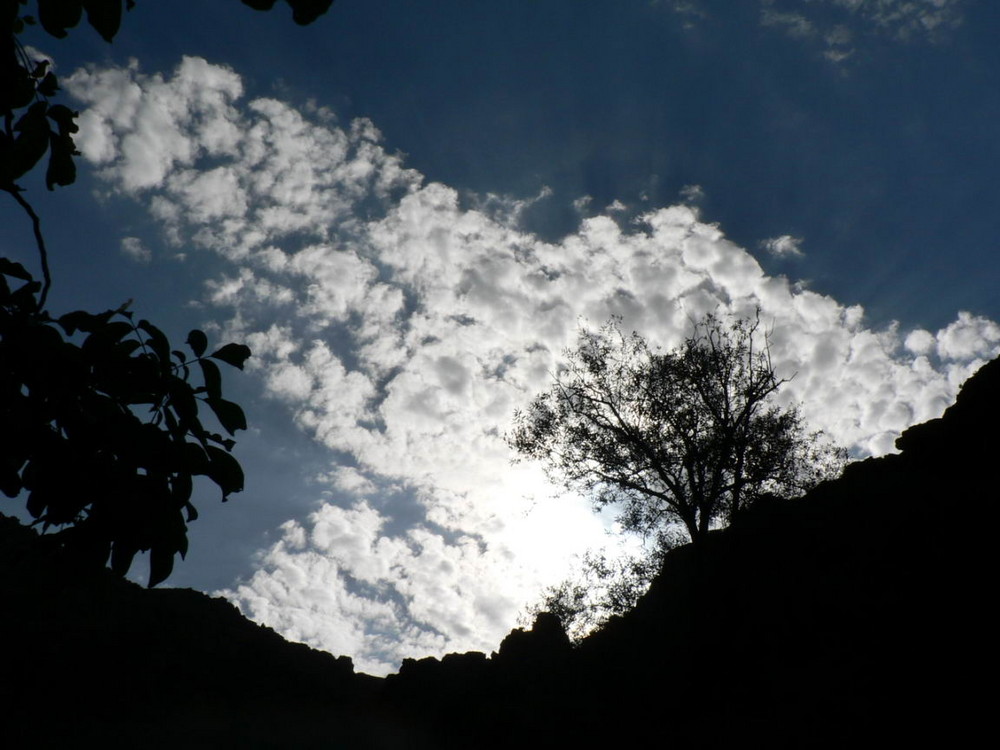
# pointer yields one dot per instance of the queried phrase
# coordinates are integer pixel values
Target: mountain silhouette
(856, 616)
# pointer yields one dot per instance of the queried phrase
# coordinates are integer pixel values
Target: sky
(408, 210)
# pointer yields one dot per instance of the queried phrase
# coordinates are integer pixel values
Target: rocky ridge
(855, 615)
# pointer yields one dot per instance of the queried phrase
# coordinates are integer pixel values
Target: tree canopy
(691, 436)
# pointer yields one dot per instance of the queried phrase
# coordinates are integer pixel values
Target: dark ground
(857, 616)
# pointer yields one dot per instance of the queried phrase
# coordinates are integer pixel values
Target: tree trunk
(691, 522)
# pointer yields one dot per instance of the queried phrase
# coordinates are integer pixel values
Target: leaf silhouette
(233, 354)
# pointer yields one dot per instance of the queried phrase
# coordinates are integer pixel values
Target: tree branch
(36, 224)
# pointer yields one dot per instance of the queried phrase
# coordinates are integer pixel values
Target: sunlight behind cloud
(401, 329)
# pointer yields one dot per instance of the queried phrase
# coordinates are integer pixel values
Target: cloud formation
(836, 23)
(784, 246)
(402, 324)
(135, 249)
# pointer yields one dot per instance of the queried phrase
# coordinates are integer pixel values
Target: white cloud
(920, 341)
(784, 246)
(133, 247)
(692, 194)
(969, 337)
(402, 330)
(148, 128)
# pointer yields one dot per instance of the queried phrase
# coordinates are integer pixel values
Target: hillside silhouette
(856, 616)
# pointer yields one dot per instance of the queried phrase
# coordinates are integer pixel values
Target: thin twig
(36, 224)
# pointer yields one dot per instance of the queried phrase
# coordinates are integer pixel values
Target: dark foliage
(601, 588)
(101, 426)
(303, 11)
(99, 422)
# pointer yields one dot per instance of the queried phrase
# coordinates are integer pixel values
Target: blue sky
(407, 208)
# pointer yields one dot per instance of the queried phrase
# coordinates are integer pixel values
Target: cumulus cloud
(147, 129)
(402, 326)
(969, 337)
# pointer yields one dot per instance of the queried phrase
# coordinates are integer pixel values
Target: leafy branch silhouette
(102, 426)
(100, 423)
